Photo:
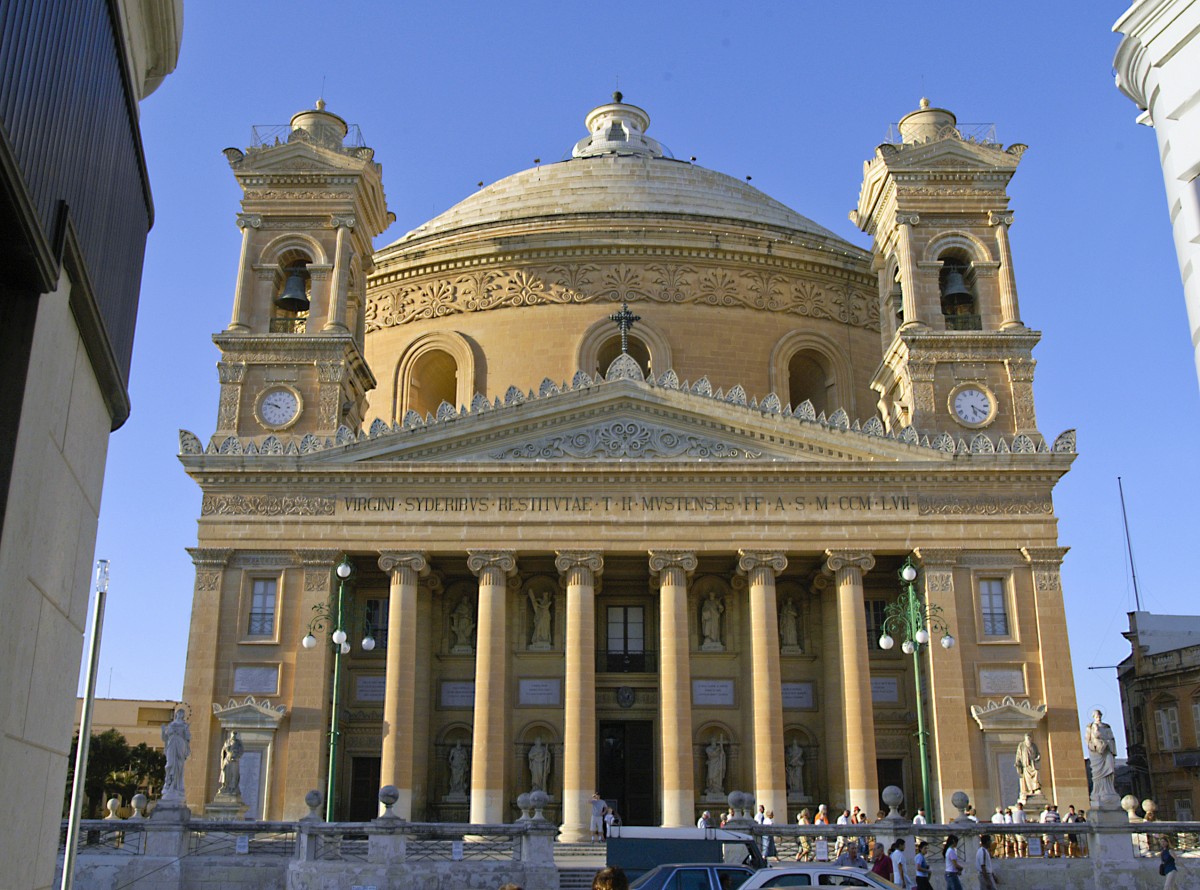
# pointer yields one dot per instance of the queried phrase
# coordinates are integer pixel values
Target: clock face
(973, 406)
(279, 407)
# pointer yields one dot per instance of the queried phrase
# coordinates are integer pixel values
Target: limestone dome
(720, 274)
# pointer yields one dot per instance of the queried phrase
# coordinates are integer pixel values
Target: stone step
(576, 878)
(572, 851)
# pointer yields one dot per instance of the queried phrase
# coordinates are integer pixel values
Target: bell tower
(292, 357)
(956, 356)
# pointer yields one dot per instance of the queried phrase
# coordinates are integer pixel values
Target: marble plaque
(712, 692)
(249, 782)
(798, 697)
(885, 690)
(540, 692)
(256, 678)
(370, 688)
(1000, 681)
(457, 694)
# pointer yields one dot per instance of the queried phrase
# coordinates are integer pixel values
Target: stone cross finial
(624, 321)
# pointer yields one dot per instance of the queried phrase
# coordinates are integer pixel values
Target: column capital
(749, 560)
(391, 561)
(908, 219)
(340, 222)
(210, 557)
(848, 559)
(660, 560)
(565, 560)
(504, 560)
(1000, 218)
(1044, 558)
(249, 221)
(930, 557)
(317, 558)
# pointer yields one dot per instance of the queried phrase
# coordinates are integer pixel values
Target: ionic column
(581, 568)
(766, 690)
(247, 222)
(950, 736)
(491, 684)
(858, 716)
(1067, 776)
(673, 567)
(399, 701)
(1010, 316)
(908, 271)
(336, 320)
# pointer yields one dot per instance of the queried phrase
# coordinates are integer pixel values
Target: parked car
(693, 876)
(816, 874)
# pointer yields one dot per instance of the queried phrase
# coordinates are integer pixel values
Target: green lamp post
(912, 620)
(335, 615)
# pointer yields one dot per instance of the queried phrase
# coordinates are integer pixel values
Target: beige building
(662, 573)
(1160, 698)
(140, 721)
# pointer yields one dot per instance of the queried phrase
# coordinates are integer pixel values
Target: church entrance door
(627, 769)
(364, 789)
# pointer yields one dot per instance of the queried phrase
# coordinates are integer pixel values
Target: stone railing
(172, 851)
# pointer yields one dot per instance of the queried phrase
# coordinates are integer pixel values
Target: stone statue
(541, 618)
(458, 768)
(539, 764)
(1028, 758)
(714, 780)
(231, 767)
(1102, 752)
(177, 745)
(710, 620)
(789, 625)
(462, 624)
(794, 762)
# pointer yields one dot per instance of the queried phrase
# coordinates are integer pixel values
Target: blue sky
(794, 94)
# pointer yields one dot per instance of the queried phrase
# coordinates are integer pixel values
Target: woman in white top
(899, 866)
(983, 861)
(953, 865)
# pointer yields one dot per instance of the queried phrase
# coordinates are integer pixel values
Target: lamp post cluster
(332, 617)
(913, 621)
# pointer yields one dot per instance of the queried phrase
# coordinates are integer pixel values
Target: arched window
(434, 380)
(811, 378)
(292, 293)
(956, 284)
(611, 348)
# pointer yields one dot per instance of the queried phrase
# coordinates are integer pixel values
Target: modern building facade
(1160, 698)
(1158, 67)
(75, 208)
(644, 552)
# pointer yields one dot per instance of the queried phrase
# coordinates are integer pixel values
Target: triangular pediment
(957, 154)
(297, 157)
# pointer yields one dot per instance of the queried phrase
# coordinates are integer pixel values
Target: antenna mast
(1129, 546)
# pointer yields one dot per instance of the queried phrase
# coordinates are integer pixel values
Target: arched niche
(527, 740)
(805, 365)
(276, 247)
(800, 760)
(600, 344)
(436, 367)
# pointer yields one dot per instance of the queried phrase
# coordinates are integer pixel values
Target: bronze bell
(294, 296)
(956, 296)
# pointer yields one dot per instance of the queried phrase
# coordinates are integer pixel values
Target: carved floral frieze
(623, 439)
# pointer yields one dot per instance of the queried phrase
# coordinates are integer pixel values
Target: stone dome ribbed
(609, 185)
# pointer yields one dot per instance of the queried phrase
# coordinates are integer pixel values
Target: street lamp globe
(345, 649)
(886, 642)
(948, 642)
(922, 636)
(339, 637)
(909, 572)
(907, 647)
(344, 569)
(368, 643)
(309, 641)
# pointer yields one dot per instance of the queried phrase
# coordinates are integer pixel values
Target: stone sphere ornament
(961, 801)
(388, 795)
(523, 805)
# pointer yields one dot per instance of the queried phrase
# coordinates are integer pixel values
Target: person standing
(899, 866)
(803, 842)
(983, 862)
(954, 866)
(598, 808)
(769, 848)
(921, 866)
(705, 820)
(1167, 867)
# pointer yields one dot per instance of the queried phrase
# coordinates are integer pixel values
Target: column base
(678, 809)
(487, 807)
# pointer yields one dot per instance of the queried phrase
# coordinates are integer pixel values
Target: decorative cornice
(661, 560)
(750, 560)
(1008, 715)
(319, 559)
(934, 558)
(210, 557)
(394, 561)
(1045, 558)
(566, 560)
(624, 439)
(266, 505)
(504, 560)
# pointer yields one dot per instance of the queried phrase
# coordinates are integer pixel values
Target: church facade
(605, 478)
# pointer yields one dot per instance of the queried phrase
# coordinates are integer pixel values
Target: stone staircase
(578, 864)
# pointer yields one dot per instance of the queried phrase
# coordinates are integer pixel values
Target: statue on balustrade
(1102, 752)
(177, 746)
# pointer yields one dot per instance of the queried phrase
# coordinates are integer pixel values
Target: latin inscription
(866, 502)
